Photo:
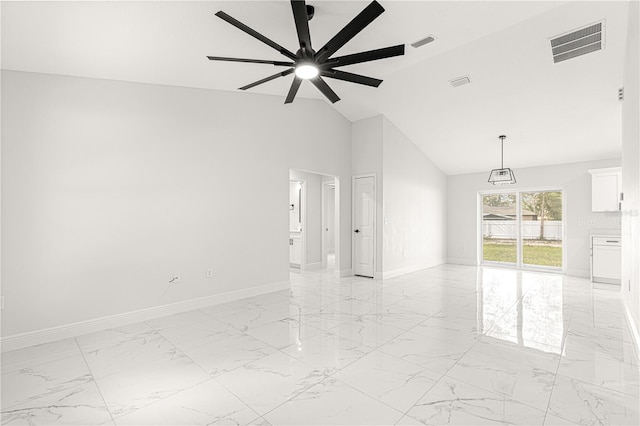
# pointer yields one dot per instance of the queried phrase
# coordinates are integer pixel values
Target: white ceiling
(551, 113)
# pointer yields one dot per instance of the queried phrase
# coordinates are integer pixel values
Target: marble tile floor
(445, 345)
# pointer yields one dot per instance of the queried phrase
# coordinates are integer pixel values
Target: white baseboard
(38, 337)
(344, 273)
(581, 273)
(313, 266)
(457, 261)
(632, 326)
(409, 269)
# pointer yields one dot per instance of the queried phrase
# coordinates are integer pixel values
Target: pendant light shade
(502, 176)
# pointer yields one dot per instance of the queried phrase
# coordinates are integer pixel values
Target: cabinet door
(295, 251)
(606, 262)
(604, 192)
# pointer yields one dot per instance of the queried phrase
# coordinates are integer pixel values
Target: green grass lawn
(542, 255)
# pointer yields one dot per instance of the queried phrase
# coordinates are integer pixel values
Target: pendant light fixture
(502, 176)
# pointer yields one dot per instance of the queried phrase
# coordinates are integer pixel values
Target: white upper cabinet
(606, 185)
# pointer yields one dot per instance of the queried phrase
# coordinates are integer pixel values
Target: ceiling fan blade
(356, 25)
(371, 55)
(325, 89)
(302, 25)
(295, 85)
(353, 78)
(264, 80)
(253, 61)
(256, 34)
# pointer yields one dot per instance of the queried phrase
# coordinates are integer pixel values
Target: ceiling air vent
(424, 41)
(460, 81)
(578, 43)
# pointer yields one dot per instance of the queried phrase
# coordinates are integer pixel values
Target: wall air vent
(424, 41)
(577, 43)
(460, 81)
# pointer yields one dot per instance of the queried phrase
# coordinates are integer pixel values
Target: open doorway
(314, 242)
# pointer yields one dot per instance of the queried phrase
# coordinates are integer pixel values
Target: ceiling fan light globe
(306, 71)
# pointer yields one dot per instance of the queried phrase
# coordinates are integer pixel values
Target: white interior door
(364, 197)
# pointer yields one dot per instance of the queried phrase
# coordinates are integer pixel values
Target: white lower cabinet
(605, 259)
(295, 249)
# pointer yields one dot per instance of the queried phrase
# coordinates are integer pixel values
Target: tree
(499, 200)
(546, 205)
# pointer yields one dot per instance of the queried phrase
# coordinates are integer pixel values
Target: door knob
(356, 231)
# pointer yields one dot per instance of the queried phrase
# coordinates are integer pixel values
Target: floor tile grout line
(104, 401)
(288, 399)
(326, 378)
(366, 394)
(438, 381)
(585, 381)
(164, 398)
(553, 387)
(499, 394)
(333, 373)
(155, 331)
(43, 361)
(184, 354)
(594, 385)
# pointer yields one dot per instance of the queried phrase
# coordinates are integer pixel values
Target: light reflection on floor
(445, 345)
(535, 315)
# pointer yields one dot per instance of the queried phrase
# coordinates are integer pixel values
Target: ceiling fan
(312, 65)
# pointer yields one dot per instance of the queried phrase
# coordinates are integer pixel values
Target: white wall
(366, 146)
(110, 187)
(414, 206)
(410, 194)
(572, 178)
(313, 215)
(631, 169)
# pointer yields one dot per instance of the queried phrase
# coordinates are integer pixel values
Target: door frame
(375, 221)
(338, 213)
(303, 223)
(303, 220)
(325, 250)
(519, 264)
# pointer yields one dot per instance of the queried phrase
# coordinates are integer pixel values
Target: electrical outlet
(210, 273)
(176, 278)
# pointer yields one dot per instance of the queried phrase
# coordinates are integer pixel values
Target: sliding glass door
(541, 224)
(522, 228)
(499, 228)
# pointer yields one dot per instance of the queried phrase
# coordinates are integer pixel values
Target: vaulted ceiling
(551, 112)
